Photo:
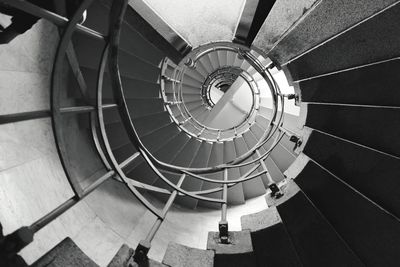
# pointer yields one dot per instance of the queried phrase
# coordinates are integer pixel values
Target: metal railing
(114, 169)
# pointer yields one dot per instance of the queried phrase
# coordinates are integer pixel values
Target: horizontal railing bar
(129, 160)
(109, 106)
(77, 110)
(24, 116)
(84, 109)
(51, 16)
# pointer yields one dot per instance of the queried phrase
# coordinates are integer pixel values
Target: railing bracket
(295, 139)
(141, 251)
(275, 191)
(11, 244)
(223, 232)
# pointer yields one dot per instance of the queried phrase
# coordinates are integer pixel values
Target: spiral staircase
(139, 116)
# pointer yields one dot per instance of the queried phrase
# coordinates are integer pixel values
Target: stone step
(238, 253)
(363, 225)
(66, 253)
(178, 255)
(359, 46)
(271, 242)
(312, 235)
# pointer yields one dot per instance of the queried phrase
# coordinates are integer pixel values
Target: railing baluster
(144, 245)
(223, 224)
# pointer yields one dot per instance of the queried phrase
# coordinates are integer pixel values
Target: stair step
(267, 225)
(111, 116)
(373, 174)
(158, 138)
(187, 80)
(191, 98)
(223, 57)
(282, 157)
(155, 143)
(312, 30)
(275, 173)
(133, 42)
(117, 135)
(139, 107)
(216, 158)
(254, 187)
(89, 51)
(194, 73)
(364, 226)
(65, 253)
(312, 235)
(274, 26)
(182, 256)
(362, 125)
(124, 152)
(124, 258)
(372, 85)
(168, 152)
(154, 121)
(206, 63)
(200, 160)
(260, 220)
(188, 89)
(142, 19)
(251, 142)
(235, 193)
(214, 60)
(133, 88)
(230, 58)
(186, 158)
(358, 46)
(239, 253)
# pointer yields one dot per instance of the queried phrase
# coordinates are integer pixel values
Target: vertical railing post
(144, 245)
(223, 224)
(275, 191)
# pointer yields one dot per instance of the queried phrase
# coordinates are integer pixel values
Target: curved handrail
(56, 84)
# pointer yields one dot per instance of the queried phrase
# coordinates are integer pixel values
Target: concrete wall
(203, 21)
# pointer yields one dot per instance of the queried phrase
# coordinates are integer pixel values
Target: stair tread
(359, 167)
(254, 187)
(178, 255)
(362, 125)
(364, 226)
(358, 46)
(235, 193)
(65, 253)
(312, 235)
(238, 253)
(312, 30)
(372, 85)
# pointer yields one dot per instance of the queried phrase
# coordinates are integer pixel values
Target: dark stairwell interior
(159, 134)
